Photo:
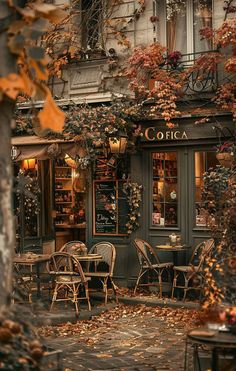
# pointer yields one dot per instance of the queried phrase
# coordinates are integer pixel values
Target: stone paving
(145, 342)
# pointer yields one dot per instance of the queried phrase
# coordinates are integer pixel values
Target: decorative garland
(133, 192)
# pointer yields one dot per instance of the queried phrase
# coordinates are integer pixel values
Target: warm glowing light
(118, 144)
(29, 164)
(70, 161)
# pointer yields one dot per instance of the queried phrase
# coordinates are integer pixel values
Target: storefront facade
(168, 163)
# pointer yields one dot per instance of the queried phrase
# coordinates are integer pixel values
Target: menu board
(110, 208)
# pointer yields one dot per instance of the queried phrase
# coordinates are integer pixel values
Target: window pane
(203, 161)
(176, 29)
(202, 19)
(164, 195)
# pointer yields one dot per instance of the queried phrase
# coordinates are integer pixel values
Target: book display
(165, 189)
(69, 204)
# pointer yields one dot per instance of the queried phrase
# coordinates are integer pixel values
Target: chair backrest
(146, 253)
(74, 247)
(108, 252)
(64, 262)
(200, 251)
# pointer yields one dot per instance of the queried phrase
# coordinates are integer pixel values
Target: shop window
(184, 20)
(164, 189)
(203, 161)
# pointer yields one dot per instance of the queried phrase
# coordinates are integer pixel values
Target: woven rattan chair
(104, 268)
(22, 284)
(74, 247)
(150, 264)
(186, 276)
(69, 277)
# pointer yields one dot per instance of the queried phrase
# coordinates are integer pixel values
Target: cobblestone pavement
(150, 339)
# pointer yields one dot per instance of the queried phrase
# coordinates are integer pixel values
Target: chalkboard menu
(110, 213)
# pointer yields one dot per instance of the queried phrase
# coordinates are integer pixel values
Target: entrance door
(173, 192)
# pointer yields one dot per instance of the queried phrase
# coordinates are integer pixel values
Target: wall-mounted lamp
(70, 161)
(29, 164)
(15, 152)
(118, 143)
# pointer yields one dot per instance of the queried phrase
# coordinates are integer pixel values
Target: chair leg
(141, 273)
(75, 298)
(87, 295)
(105, 289)
(160, 281)
(114, 289)
(54, 297)
(174, 285)
(185, 287)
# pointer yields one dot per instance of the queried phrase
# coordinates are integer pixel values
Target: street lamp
(118, 143)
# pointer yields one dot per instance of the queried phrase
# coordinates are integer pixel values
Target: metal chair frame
(192, 270)
(108, 252)
(146, 254)
(69, 277)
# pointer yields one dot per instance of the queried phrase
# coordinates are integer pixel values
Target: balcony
(203, 81)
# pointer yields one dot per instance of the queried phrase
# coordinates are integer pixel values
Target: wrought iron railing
(199, 81)
(202, 81)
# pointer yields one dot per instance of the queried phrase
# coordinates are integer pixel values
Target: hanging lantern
(70, 161)
(29, 164)
(118, 143)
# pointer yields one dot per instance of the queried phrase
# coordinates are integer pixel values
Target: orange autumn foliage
(51, 114)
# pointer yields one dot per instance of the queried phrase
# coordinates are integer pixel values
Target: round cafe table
(217, 343)
(175, 251)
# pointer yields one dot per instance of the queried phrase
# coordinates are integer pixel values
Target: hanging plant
(28, 195)
(133, 192)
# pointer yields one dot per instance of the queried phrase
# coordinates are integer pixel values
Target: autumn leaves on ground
(140, 336)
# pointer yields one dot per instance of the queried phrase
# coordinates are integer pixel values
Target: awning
(43, 148)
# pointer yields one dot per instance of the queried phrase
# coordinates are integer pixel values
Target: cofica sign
(153, 133)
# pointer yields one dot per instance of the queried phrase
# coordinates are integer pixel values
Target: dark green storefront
(170, 164)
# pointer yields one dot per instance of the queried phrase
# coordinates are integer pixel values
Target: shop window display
(165, 189)
(203, 162)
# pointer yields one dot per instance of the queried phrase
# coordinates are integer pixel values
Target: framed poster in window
(110, 208)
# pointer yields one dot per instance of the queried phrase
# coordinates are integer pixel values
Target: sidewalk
(60, 314)
(122, 338)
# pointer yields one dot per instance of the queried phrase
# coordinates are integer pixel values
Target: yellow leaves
(12, 85)
(51, 12)
(51, 117)
(40, 70)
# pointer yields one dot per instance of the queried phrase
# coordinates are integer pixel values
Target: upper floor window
(91, 14)
(184, 20)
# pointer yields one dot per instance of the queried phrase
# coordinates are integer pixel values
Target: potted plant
(225, 153)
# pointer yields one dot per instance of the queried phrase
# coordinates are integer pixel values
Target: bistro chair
(150, 264)
(185, 276)
(103, 269)
(69, 277)
(22, 284)
(74, 247)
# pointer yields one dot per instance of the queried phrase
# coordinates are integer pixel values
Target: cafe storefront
(170, 164)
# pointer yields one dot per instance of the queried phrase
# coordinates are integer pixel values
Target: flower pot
(225, 159)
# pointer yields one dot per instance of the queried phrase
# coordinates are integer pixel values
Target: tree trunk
(7, 236)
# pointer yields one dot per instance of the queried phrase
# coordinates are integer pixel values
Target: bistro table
(88, 258)
(175, 250)
(32, 260)
(218, 343)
